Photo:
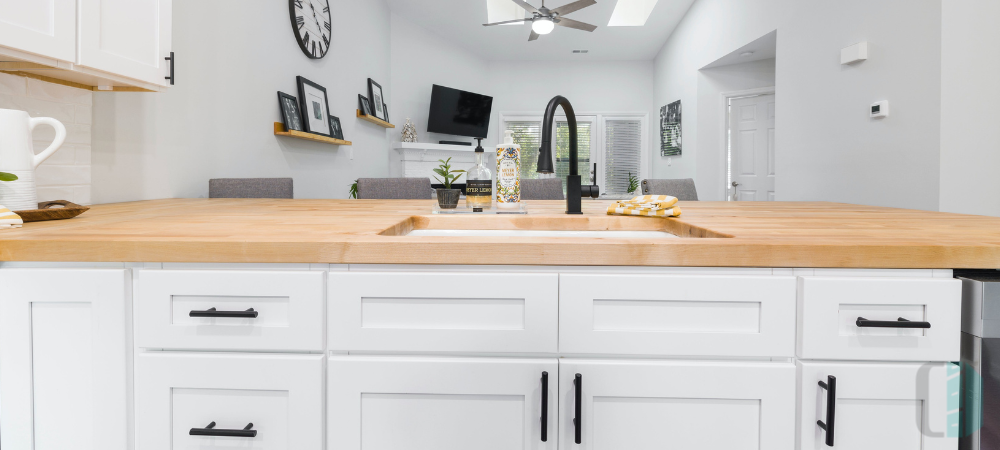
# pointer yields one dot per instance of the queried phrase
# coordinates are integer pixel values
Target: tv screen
(459, 113)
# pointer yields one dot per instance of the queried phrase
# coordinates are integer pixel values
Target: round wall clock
(311, 23)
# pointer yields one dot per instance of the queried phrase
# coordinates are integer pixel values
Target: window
(622, 153)
(616, 144)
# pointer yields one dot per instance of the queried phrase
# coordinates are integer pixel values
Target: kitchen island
(281, 324)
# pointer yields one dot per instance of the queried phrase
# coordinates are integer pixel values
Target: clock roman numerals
(326, 9)
(298, 3)
(327, 26)
(305, 39)
(326, 40)
(300, 21)
(313, 29)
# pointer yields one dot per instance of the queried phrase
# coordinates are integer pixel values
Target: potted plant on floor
(447, 197)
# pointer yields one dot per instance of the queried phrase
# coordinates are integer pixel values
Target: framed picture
(290, 111)
(377, 100)
(386, 109)
(363, 105)
(336, 131)
(671, 142)
(315, 107)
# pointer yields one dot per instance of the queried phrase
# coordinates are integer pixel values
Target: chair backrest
(683, 188)
(542, 189)
(250, 188)
(394, 188)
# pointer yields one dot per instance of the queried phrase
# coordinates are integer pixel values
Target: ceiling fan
(543, 20)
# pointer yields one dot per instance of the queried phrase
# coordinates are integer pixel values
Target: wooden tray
(46, 211)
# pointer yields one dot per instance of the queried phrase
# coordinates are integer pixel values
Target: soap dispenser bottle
(508, 173)
(479, 183)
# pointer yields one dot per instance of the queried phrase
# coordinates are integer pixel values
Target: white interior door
(126, 37)
(46, 28)
(751, 148)
(393, 403)
(63, 359)
(880, 406)
(655, 405)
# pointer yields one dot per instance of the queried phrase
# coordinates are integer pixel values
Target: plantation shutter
(527, 134)
(622, 154)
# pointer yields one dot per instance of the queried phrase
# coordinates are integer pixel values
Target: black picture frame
(386, 109)
(315, 110)
(363, 105)
(377, 100)
(336, 130)
(290, 113)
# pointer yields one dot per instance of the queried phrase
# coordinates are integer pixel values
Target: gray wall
(218, 120)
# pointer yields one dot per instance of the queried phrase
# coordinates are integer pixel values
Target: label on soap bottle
(508, 175)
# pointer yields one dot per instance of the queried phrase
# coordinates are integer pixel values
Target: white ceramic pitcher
(18, 157)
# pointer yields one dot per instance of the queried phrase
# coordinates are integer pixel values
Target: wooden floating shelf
(375, 120)
(279, 130)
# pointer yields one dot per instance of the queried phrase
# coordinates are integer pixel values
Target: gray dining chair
(394, 188)
(250, 188)
(542, 189)
(682, 188)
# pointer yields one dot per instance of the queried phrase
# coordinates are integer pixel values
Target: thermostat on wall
(880, 109)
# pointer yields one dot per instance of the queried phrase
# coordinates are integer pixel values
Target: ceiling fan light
(542, 25)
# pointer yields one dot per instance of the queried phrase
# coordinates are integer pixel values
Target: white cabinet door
(654, 405)
(694, 315)
(393, 403)
(126, 37)
(46, 28)
(259, 402)
(63, 359)
(880, 406)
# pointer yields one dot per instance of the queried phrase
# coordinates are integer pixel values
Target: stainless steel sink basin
(618, 234)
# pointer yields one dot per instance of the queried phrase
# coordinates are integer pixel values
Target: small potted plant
(447, 197)
(633, 183)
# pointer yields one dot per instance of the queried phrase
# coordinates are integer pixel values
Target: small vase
(448, 198)
(409, 132)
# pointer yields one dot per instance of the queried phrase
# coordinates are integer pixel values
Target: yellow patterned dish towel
(8, 219)
(647, 205)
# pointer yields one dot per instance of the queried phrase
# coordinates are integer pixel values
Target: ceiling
(765, 47)
(462, 21)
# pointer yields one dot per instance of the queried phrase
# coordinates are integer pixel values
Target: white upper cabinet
(64, 359)
(126, 37)
(46, 28)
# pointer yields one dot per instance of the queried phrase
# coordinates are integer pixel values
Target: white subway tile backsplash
(12, 84)
(66, 174)
(58, 93)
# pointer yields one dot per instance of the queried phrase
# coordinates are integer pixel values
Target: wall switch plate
(855, 53)
(880, 109)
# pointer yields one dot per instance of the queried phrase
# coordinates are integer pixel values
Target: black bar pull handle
(831, 408)
(212, 312)
(899, 323)
(578, 408)
(545, 406)
(210, 430)
(173, 62)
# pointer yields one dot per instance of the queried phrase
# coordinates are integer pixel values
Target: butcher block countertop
(728, 234)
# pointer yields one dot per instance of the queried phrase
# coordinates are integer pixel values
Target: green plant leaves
(4, 176)
(447, 173)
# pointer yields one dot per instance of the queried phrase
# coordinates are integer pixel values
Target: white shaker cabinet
(879, 406)
(647, 405)
(64, 359)
(130, 38)
(428, 403)
(44, 28)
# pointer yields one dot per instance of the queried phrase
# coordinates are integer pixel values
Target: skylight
(631, 13)
(503, 10)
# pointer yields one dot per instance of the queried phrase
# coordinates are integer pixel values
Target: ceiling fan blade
(505, 22)
(570, 23)
(575, 6)
(533, 36)
(526, 6)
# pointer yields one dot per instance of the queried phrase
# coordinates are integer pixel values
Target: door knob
(735, 184)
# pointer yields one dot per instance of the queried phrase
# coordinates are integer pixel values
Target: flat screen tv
(459, 113)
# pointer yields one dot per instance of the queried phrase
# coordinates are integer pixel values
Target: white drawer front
(829, 309)
(684, 315)
(289, 307)
(879, 405)
(281, 395)
(435, 312)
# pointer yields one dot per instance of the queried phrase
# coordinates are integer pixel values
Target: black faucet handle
(592, 191)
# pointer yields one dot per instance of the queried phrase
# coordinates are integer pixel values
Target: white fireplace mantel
(418, 159)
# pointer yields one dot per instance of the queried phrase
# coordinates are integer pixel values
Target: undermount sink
(619, 234)
(549, 226)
